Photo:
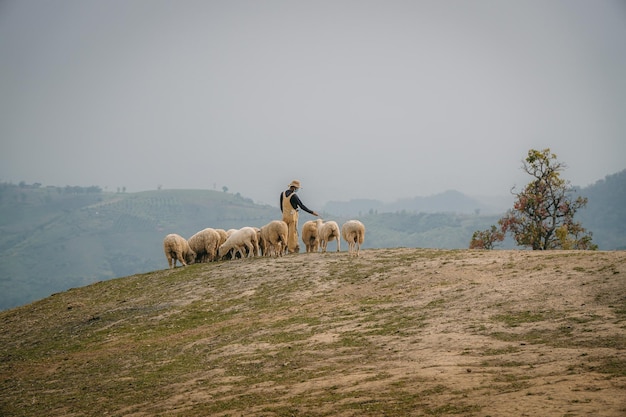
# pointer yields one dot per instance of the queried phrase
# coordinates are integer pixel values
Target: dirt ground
(395, 332)
(455, 332)
(500, 333)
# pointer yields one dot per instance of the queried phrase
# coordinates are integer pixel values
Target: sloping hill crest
(394, 332)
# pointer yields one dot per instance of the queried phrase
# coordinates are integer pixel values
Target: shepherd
(289, 205)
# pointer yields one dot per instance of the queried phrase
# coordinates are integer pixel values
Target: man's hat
(295, 183)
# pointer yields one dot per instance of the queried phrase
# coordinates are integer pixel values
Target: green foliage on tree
(486, 239)
(543, 212)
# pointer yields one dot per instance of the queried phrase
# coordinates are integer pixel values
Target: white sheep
(273, 238)
(327, 232)
(177, 248)
(310, 237)
(225, 236)
(205, 244)
(353, 232)
(244, 241)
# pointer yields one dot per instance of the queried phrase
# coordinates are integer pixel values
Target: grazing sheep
(327, 232)
(273, 238)
(244, 241)
(353, 232)
(224, 235)
(177, 248)
(205, 244)
(310, 237)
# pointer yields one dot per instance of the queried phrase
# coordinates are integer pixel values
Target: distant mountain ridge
(605, 213)
(450, 201)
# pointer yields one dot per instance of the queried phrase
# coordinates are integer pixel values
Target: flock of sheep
(210, 244)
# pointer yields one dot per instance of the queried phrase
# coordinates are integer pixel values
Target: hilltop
(395, 332)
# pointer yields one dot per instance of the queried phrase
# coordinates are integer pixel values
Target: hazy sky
(357, 99)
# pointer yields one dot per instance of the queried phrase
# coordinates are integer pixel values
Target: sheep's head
(190, 257)
(224, 252)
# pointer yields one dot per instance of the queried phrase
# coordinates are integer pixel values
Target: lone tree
(486, 239)
(543, 213)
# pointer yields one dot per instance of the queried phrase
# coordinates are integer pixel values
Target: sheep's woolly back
(310, 236)
(205, 244)
(327, 232)
(245, 241)
(223, 235)
(273, 238)
(353, 232)
(177, 248)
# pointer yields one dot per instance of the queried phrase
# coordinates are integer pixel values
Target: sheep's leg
(241, 249)
(246, 250)
(181, 258)
(216, 252)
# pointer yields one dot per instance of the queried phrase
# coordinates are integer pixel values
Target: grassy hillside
(605, 214)
(424, 230)
(395, 332)
(52, 240)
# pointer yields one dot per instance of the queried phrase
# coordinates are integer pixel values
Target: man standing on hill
(289, 204)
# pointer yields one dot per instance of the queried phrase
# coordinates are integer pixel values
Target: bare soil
(394, 332)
